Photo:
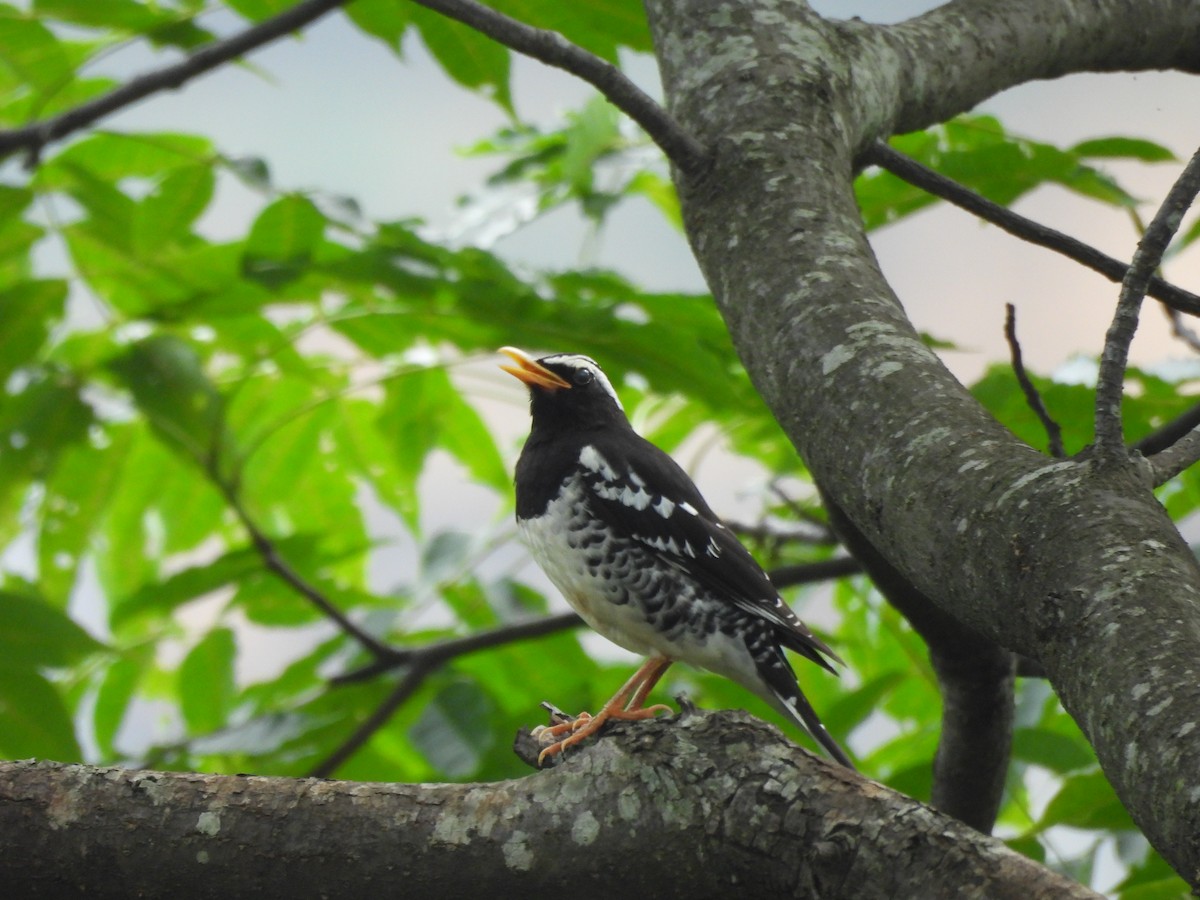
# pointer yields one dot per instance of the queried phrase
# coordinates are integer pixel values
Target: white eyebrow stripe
(579, 361)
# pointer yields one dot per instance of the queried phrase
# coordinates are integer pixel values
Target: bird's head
(566, 390)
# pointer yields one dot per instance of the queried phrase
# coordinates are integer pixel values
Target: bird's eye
(584, 377)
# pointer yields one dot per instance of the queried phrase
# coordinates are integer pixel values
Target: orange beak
(530, 371)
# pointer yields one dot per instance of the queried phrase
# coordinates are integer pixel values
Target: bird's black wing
(641, 493)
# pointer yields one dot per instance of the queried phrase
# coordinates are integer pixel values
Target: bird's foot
(584, 725)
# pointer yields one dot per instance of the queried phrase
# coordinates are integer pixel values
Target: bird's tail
(783, 692)
(796, 706)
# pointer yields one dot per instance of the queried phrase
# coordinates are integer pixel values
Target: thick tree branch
(908, 169)
(1110, 442)
(33, 138)
(975, 679)
(649, 802)
(959, 54)
(1070, 563)
(553, 49)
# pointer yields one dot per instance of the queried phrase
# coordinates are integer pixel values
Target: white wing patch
(630, 490)
(590, 459)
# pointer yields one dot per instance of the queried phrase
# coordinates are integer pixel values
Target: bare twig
(1182, 455)
(1182, 330)
(774, 534)
(1169, 434)
(811, 573)
(405, 688)
(275, 563)
(553, 49)
(431, 656)
(1032, 397)
(903, 167)
(34, 137)
(1110, 384)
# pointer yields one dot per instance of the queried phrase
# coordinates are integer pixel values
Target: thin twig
(551, 48)
(275, 563)
(1169, 434)
(405, 688)
(1032, 397)
(1182, 330)
(433, 655)
(1110, 383)
(34, 137)
(908, 169)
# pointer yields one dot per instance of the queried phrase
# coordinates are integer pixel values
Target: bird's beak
(530, 371)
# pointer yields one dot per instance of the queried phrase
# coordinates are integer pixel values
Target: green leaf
(384, 19)
(282, 241)
(163, 597)
(34, 633)
(453, 731)
(1124, 148)
(168, 384)
(257, 10)
(112, 156)
(176, 202)
(600, 26)
(113, 697)
(36, 424)
(472, 59)
(1057, 752)
(34, 721)
(1086, 801)
(76, 497)
(206, 682)
(32, 53)
(1152, 879)
(28, 311)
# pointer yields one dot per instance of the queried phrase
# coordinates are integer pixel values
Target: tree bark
(695, 807)
(1071, 563)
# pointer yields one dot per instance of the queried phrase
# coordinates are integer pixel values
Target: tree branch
(1109, 436)
(908, 169)
(34, 137)
(1074, 565)
(962, 52)
(975, 679)
(720, 788)
(1032, 397)
(551, 48)
(274, 562)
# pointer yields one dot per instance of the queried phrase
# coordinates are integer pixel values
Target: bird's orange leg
(627, 704)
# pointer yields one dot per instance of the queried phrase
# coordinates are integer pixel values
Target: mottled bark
(975, 680)
(1070, 563)
(704, 806)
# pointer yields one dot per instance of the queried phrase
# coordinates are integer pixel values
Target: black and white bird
(623, 533)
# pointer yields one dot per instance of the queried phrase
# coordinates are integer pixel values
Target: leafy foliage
(165, 393)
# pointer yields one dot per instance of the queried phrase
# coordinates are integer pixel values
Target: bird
(624, 534)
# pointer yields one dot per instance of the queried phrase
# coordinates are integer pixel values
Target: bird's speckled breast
(629, 597)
